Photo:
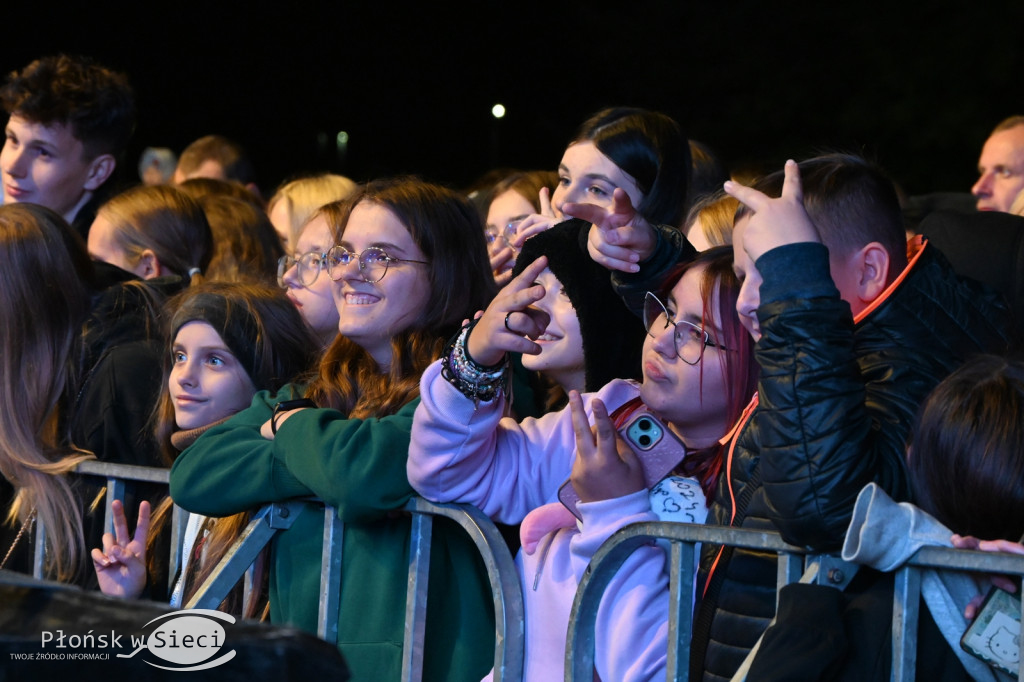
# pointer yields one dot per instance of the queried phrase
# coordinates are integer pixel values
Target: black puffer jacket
(836, 405)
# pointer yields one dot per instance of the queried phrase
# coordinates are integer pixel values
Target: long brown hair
(42, 303)
(447, 229)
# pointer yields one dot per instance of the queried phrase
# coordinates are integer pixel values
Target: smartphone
(657, 448)
(994, 636)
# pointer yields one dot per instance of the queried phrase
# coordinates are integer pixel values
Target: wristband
(472, 379)
(285, 406)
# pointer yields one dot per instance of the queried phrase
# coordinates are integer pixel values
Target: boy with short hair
(70, 121)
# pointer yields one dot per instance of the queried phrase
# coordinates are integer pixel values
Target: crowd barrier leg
(330, 576)
(682, 568)
(416, 598)
(263, 526)
(905, 603)
(501, 572)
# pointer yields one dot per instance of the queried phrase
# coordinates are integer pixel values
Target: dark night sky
(916, 87)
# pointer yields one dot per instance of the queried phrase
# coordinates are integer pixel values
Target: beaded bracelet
(472, 379)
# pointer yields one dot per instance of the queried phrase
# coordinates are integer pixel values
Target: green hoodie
(358, 467)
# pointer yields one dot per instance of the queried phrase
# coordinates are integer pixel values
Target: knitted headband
(234, 323)
(613, 337)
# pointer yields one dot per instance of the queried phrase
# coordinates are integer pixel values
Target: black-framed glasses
(689, 340)
(373, 262)
(309, 266)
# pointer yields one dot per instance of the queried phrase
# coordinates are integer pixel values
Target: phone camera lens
(645, 441)
(644, 424)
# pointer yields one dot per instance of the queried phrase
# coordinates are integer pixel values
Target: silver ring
(506, 322)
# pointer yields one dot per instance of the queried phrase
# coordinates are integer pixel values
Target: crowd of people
(801, 345)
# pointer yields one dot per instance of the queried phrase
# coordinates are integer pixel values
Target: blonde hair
(301, 198)
(165, 221)
(42, 303)
(715, 214)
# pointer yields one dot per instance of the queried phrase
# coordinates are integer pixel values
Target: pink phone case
(658, 449)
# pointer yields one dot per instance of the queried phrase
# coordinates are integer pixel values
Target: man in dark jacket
(851, 337)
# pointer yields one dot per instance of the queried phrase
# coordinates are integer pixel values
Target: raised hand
(536, 223)
(775, 221)
(605, 467)
(509, 323)
(502, 262)
(121, 565)
(619, 238)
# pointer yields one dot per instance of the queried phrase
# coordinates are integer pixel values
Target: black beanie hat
(613, 337)
(233, 322)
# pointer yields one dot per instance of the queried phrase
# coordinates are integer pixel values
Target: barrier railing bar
(416, 599)
(905, 602)
(680, 615)
(330, 575)
(117, 475)
(179, 520)
(39, 552)
(264, 524)
(829, 570)
(508, 599)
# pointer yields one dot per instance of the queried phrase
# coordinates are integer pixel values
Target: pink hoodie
(508, 469)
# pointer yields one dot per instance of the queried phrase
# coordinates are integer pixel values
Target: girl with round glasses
(351, 452)
(305, 277)
(689, 338)
(462, 450)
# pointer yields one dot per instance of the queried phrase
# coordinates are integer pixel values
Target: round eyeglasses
(503, 236)
(309, 266)
(373, 262)
(689, 340)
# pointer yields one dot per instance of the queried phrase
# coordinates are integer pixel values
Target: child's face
(207, 382)
(750, 289)
(561, 345)
(314, 301)
(508, 207)
(848, 274)
(692, 398)
(586, 176)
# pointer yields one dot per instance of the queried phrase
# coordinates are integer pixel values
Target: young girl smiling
(226, 341)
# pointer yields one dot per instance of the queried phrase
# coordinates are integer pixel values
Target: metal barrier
(508, 600)
(117, 476)
(793, 562)
(501, 570)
